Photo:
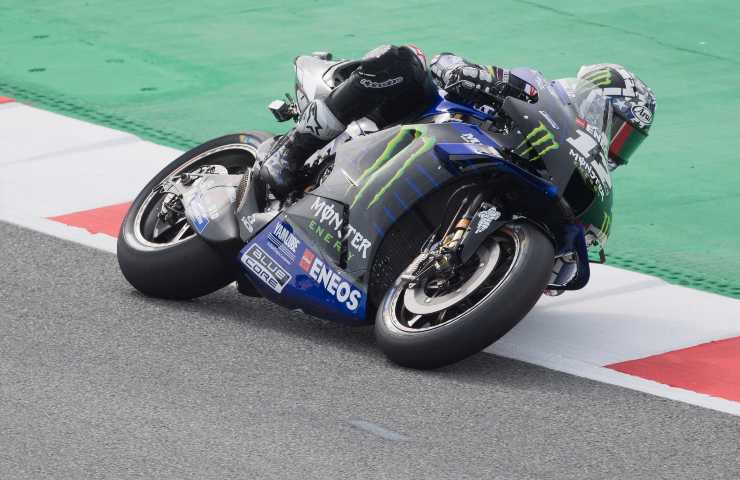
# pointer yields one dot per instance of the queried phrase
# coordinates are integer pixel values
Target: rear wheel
(443, 320)
(158, 251)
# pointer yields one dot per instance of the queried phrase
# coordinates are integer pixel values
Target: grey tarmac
(98, 381)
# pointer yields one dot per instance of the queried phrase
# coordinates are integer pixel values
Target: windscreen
(591, 107)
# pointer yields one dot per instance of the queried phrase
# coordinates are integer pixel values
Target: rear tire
(190, 267)
(480, 325)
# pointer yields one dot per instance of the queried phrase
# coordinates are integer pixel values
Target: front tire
(182, 265)
(476, 321)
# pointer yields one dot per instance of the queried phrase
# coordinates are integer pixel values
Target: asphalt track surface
(98, 381)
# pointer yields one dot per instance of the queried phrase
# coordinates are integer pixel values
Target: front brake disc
(417, 301)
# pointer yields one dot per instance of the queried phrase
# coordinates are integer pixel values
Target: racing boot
(284, 158)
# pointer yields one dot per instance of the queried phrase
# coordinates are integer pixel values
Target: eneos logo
(332, 282)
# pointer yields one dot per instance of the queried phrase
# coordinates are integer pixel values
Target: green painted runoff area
(181, 72)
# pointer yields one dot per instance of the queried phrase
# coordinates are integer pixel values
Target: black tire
(482, 324)
(190, 268)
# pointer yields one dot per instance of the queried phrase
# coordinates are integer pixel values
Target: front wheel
(441, 321)
(158, 251)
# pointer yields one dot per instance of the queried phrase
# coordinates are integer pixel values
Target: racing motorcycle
(443, 230)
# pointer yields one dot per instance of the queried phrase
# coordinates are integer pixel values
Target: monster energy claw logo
(540, 140)
(420, 144)
(600, 78)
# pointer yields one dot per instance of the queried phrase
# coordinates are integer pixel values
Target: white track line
(52, 165)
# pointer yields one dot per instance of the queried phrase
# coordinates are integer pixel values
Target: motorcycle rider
(391, 82)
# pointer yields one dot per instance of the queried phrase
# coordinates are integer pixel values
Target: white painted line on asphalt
(112, 142)
(28, 132)
(70, 183)
(378, 431)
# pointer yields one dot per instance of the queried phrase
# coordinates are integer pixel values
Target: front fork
(481, 219)
(471, 225)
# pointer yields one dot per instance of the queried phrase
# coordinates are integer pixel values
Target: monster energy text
(328, 216)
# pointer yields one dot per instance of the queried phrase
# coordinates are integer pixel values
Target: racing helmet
(633, 105)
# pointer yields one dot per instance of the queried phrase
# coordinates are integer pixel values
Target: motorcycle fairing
(334, 231)
(378, 178)
(325, 242)
(442, 105)
(208, 204)
(293, 271)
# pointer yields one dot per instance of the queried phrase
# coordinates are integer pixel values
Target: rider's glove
(479, 86)
(473, 84)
